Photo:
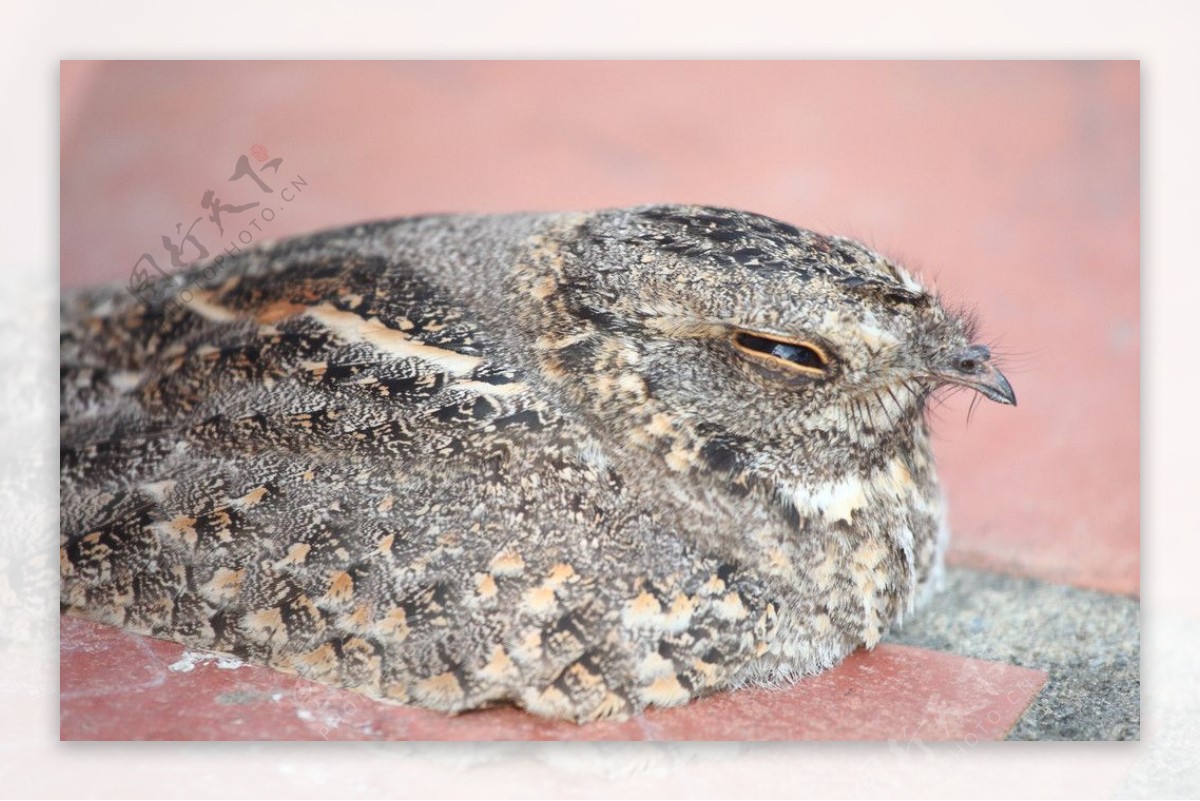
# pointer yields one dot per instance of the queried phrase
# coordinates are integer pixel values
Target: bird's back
(317, 459)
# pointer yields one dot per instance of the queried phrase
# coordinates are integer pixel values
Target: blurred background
(1011, 186)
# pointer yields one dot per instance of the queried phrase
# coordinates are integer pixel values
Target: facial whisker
(895, 400)
(883, 408)
(971, 408)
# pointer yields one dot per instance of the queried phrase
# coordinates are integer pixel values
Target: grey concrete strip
(1088, 642)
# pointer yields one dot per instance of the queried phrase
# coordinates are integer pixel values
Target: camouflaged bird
(579, 463)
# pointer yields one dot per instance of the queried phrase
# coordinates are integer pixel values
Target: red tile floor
(895, 692)
(1013, 185)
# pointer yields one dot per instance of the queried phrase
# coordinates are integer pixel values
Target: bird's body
(581, 463)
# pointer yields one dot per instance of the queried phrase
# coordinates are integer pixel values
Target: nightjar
(579, 463)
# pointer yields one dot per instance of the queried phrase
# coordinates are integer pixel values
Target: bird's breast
(864, 550)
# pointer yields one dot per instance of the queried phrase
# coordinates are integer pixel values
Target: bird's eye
(802, 357)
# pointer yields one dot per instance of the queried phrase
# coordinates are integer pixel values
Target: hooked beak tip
(972, 369)
(995, 386)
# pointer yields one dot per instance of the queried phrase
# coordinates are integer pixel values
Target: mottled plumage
(581, 463)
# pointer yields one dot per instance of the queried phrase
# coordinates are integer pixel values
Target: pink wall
(1015, 185)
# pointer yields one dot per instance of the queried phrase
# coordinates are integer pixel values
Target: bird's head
(695, 328)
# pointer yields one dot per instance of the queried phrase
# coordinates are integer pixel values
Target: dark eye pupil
(797, 353)
(788, 351)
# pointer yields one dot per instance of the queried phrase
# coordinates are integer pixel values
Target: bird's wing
(316, 460)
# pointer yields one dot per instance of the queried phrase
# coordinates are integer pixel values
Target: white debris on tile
(187, 663)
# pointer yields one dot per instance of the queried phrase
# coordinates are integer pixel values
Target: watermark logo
(327, 709)
(151, 284)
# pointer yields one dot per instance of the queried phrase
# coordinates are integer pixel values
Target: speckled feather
(465, 461)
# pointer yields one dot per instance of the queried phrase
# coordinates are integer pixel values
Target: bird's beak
(972, 367)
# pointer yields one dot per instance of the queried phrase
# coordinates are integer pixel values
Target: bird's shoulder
(285, 343)
(321, 460)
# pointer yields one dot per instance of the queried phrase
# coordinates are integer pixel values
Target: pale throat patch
(839, 500)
